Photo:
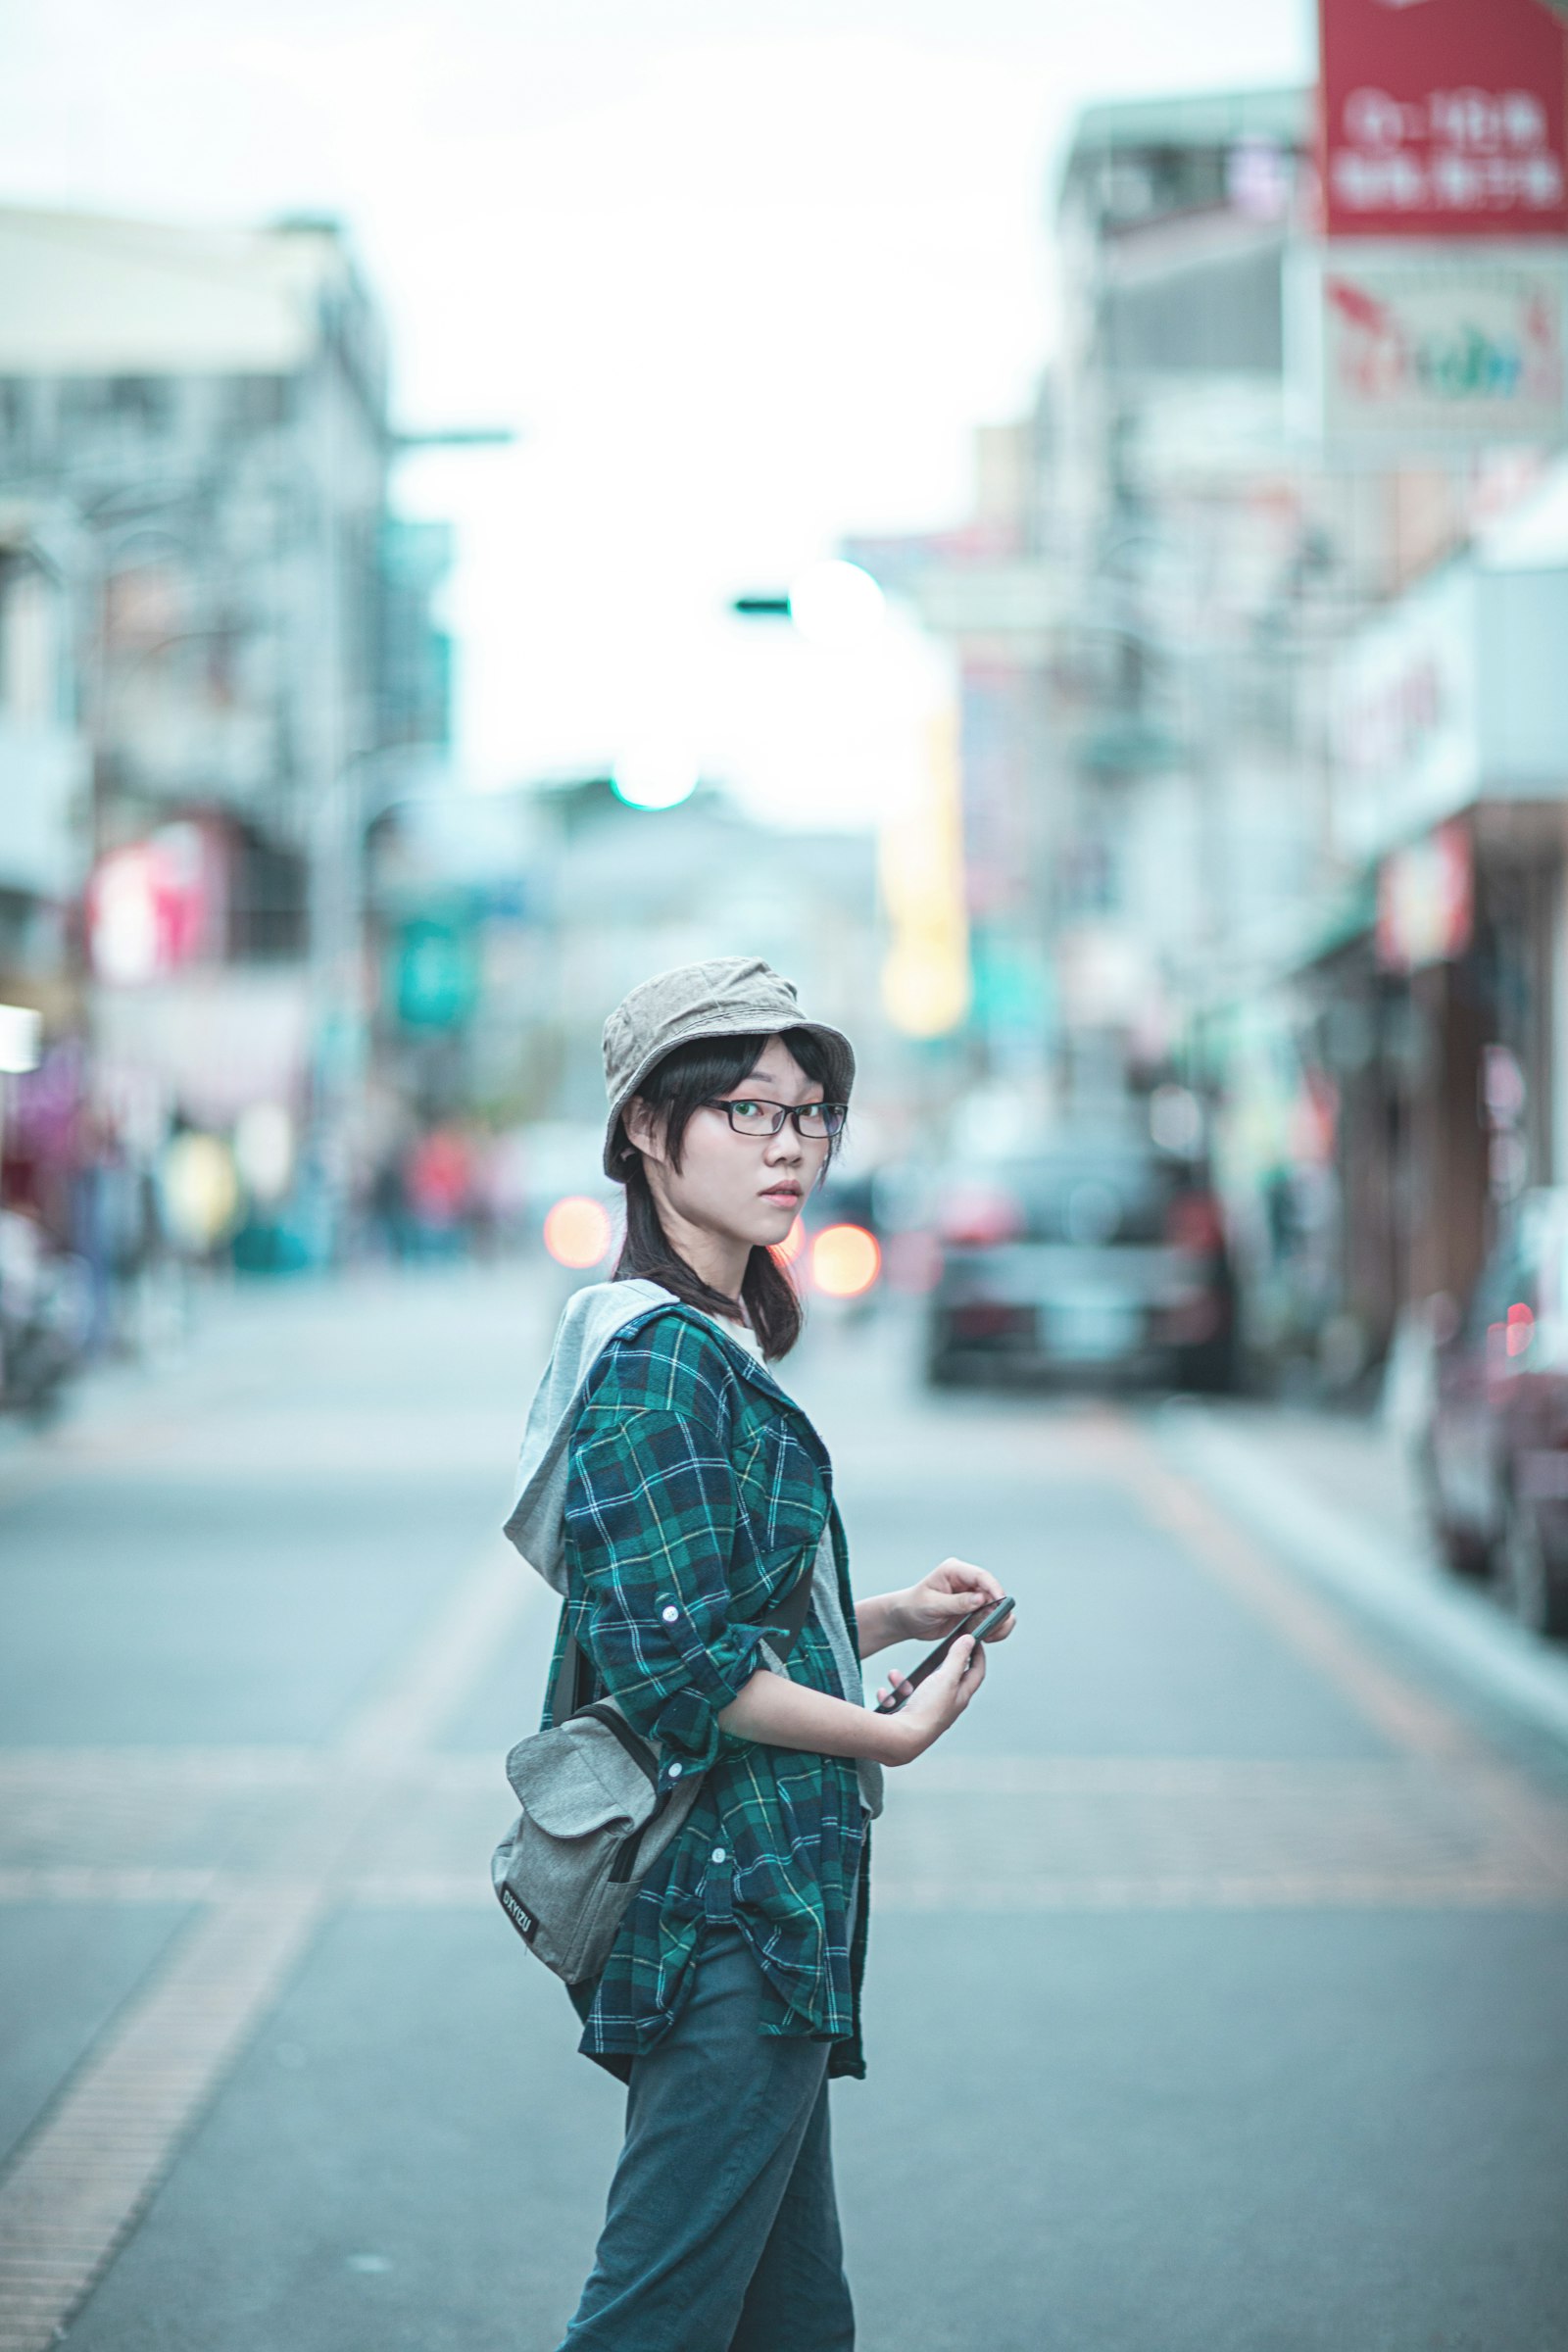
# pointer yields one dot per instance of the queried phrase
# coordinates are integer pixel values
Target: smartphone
(979, 1622)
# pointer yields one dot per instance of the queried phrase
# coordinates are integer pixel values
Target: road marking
(1057, 1830)
(103, 1772)
(1439, 1826)
(1451, 1621)
(1205, 1832)
(1404, 1715)
(1266, 1892)
(488, 1603)
(83, 2176)
(85, 1883)
(82, 2179)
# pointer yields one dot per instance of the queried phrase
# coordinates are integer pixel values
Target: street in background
(1171, 804)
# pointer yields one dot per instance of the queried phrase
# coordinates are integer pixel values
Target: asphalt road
(1218, 1992)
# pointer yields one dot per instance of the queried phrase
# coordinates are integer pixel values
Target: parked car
(1091, 1254)
(1493, 1457)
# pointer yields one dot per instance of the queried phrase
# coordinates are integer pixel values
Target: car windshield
(1084, 1194)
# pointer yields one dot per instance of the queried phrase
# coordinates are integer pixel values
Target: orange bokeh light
(788, 1249)
(577, 1231)
(844, 1260)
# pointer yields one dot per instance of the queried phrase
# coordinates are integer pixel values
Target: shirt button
(670, 1614)
(719, 1854)
(675, 1771)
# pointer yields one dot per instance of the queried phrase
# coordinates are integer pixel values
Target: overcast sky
(743, 276)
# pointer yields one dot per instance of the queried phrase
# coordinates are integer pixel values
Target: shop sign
(20, 1039)
(155, 906)
(1426, 900)
(1443, 118)
(437, 974)
(212, 1041)
(1404, 717)
(1438, 348)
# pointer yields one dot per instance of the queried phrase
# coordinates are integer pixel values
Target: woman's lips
(783, 1192)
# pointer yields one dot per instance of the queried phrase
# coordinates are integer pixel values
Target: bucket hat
(730, 995)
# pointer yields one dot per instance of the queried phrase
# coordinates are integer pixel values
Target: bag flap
(580, 1778)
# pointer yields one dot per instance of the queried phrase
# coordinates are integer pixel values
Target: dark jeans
(722, 2228)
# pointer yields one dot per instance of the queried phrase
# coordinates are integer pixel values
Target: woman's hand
(943, 1599)
(935, 1707)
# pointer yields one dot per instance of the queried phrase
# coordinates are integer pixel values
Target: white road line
(1389, 1581)
(1265, 1891)
(85, 1883)
(95, 1771)
(497, 1592)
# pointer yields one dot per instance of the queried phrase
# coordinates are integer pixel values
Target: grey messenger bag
(599, 1807)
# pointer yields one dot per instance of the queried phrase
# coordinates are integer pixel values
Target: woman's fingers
(964, 1577)
(972, 1672)
(965, 1655)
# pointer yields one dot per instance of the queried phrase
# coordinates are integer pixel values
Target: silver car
(1093, 1256)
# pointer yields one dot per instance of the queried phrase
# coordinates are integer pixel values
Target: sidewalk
(1353, 1458)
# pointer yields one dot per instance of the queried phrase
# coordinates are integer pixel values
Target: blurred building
(1440, 1022)
(636, 891)
(509, 924)
(194, 423)
(1211, 559)
(991, 590)
(1263, 751)
(43, 761)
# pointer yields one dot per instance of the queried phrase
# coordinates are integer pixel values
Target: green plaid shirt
(697, 1493)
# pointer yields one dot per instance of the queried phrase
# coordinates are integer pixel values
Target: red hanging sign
(1443, 119)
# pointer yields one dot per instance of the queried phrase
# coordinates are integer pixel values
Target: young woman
(674, 1494)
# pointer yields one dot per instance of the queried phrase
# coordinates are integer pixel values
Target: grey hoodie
(589, 1321)
(536, 1523)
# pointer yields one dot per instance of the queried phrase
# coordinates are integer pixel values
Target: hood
(589, 1321)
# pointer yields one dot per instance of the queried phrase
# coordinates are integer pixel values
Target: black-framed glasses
(749, 1116)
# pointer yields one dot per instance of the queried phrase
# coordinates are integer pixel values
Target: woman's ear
(643, 1127)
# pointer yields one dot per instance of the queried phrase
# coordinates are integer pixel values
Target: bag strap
(573, 1674)
(793, 1615)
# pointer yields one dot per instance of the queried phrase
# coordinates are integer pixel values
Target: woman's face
(740, 1188)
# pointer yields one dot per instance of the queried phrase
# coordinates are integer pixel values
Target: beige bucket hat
(730, 995)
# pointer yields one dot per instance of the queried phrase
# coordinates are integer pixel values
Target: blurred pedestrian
(674, 1494)
(438, 1180)
(386, 1205)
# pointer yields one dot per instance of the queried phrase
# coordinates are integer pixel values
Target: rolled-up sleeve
(650, 1523)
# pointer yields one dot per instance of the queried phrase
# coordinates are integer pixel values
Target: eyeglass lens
(766, 1118)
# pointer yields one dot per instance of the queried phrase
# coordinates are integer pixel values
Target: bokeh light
(576, 1231)
(656, 776)
(263, 1150)
(200, 1192)
(844, 1260)
(836, 604)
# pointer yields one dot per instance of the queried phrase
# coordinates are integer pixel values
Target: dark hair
(687, 1077)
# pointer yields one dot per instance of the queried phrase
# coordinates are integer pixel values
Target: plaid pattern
(696, 1492)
